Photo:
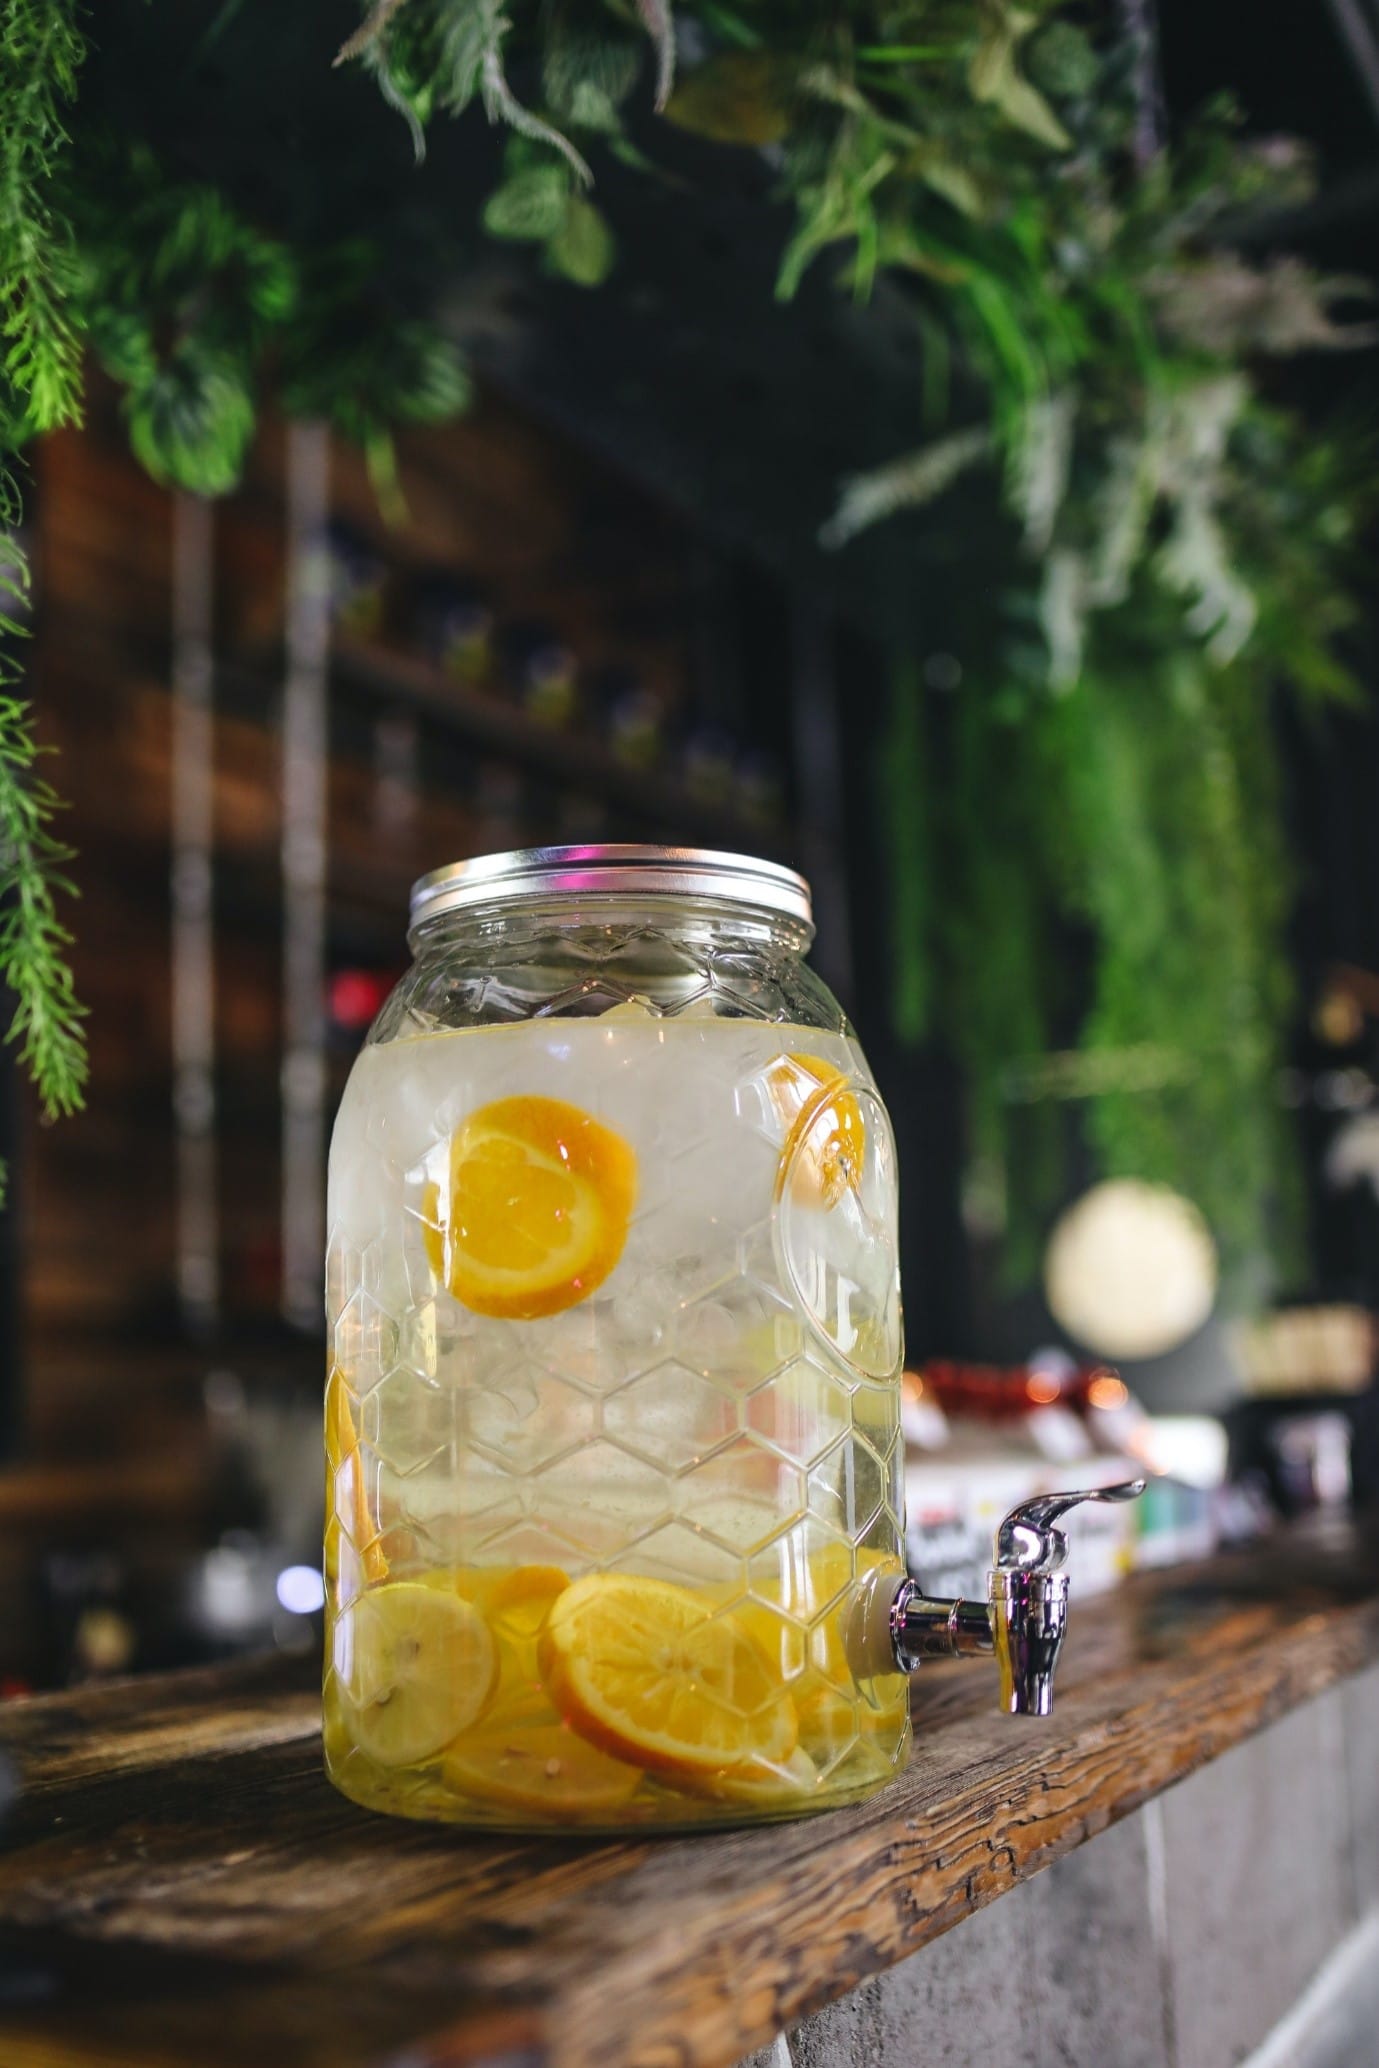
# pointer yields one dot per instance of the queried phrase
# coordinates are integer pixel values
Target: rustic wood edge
(902, 1882)
(689, 1953)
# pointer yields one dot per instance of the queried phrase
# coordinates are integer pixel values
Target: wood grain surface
(179, 1887)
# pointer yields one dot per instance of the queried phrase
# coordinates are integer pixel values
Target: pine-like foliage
(46, 1023)
(41, 50)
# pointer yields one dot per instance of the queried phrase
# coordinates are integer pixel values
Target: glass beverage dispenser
(613, 1412)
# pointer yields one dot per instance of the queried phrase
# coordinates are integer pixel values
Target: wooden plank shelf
(181, 1889)
(577, 761)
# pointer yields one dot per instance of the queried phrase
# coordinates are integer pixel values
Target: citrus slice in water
(648, 1672)
(521, 1598)
(545, 1769)
(826, 1141)
(416, 1667)
(762, 1784)
(347, 1500)
(540, 1197)
(517, 1603)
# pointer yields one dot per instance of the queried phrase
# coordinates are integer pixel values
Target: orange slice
(347, 1498)
(645, 1670)
(540, 1197)
(517, 1603)
(541, 1769)
(521, 1599)
(826, 1140)
(762, 1786)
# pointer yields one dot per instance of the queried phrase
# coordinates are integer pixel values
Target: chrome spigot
(1025, 1615)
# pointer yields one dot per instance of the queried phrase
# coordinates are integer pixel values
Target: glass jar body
(612, 1409)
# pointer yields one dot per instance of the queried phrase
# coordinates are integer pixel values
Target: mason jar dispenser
(613, 1438)
(612, 1413)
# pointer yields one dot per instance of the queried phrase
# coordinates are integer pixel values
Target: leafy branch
(41, 51)
(46, 1025)
(1167, 548)
(439, 56)
(1162, 548)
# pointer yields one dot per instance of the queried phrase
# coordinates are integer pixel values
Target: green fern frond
(41, 51)
(904, 484)
(46, 1023)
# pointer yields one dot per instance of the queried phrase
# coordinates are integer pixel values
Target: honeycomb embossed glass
(612, 1411)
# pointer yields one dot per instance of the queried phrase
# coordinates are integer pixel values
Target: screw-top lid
(613, 870)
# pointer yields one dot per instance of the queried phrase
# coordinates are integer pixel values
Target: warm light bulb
(1108, 1391)
(1130, 1270)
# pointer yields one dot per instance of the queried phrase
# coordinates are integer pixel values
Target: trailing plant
(1171, 549)
(41, 50)
(45, 1025)
(194, 292)
(40, 55)
(1164, 548)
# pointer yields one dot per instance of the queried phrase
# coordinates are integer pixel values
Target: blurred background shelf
(576, 762)
(644, 474)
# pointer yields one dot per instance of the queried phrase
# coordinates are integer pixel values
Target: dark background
(642, 478)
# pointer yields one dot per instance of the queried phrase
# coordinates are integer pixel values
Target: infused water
(611, 1422)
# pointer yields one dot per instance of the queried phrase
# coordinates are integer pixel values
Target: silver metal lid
(613, 871)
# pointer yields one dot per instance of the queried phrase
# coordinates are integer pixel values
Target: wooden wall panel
(496, 499)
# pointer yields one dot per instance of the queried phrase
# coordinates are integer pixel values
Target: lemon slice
(416, 1666)
(648, 1672)
(539, 1201)
(514, 1601)
(826, 1140)
(541, 1769)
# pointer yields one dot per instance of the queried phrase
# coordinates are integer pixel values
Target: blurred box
(1299, 1350)
(954, 1503)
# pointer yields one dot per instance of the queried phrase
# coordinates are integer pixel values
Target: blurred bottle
(358, 580)
(630, 719)
(542, 672)
(454, 626)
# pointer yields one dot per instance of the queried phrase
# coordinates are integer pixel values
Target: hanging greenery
(40, 54)
(1168, 549)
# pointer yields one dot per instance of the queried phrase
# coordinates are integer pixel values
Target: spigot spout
(1029, 1619)
(1027, 1591)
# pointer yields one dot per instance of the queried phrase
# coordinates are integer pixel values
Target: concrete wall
(1180, 1938)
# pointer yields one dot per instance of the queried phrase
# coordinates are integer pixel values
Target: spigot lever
(1027, 1541)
